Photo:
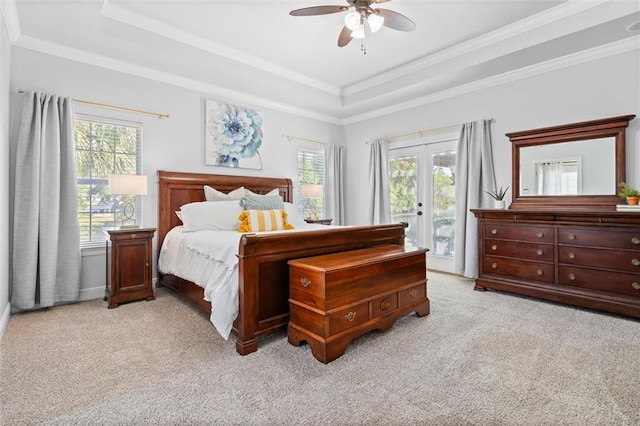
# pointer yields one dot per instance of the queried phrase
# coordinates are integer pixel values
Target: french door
(422, 193)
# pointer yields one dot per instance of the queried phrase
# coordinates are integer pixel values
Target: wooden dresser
(337, 297)
(583, 258)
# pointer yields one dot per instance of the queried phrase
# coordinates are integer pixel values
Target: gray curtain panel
(380, 202)
(475, 174)
(46, 235)
(334, 181)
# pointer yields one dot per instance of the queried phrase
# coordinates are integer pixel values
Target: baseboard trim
(4, 320)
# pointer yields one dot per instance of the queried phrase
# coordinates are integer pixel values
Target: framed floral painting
(233, 136)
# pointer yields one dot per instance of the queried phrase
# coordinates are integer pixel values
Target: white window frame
(310, 176)
(96, 241)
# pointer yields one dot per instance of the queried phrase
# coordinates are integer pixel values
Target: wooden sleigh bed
(263, 273)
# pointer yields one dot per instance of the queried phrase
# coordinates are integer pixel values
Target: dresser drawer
(518, 268)
(519, 250)
(600, 258)
(519, 233)
(347, 318)
(621, 239)
(613, 282)
(411, 295)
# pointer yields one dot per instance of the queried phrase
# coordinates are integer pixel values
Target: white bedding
(208, 259)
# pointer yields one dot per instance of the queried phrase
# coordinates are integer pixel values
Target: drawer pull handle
(350, 316)
(540, 272)
(384, 305)
(494, 265)
(635, 240)
(540, 234)
(635, 285)
(413, 293)
(494, 247)
(572, 276)
(306, 282)
(635, 262)
(572, 237)
(572, 255)
(539, 252)
(494, 231)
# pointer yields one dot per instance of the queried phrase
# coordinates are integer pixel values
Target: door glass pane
(444, 209)
(403, 175)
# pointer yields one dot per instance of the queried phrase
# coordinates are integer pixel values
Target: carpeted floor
(478, 359)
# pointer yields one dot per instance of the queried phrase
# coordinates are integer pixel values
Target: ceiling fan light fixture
(358, 33)
(352, 20)
(375, 22)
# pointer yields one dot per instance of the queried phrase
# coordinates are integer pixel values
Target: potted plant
(498, 196)
(630, 194)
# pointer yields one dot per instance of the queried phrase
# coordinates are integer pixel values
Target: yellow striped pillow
(263, 220)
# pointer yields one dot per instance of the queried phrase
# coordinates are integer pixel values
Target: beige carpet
(477, 359)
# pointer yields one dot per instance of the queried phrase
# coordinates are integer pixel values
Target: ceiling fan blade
(396, 20)
(345, 37)
(318, 10)
(378, 1)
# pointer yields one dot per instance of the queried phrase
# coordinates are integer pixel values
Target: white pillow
(294, 217)
(212, 194)
(274, 191)
(207, 216)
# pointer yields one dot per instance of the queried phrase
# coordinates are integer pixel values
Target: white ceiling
(255, 52)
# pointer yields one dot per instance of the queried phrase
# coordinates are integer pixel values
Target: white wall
(603, 88)
(5, 64)
(175, 143)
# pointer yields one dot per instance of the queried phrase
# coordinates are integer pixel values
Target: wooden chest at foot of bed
(337, 297)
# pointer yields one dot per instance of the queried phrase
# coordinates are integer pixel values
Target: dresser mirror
(571, 166)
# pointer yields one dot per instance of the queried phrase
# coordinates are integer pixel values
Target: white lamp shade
(375, 22)
(352, 20)
(358, 33)
(128, 184)
(309, 190)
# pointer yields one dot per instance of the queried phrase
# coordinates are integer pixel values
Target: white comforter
(208, 258)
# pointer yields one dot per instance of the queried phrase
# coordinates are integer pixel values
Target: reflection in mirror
(584, 167)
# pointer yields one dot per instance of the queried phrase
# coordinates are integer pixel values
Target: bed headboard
(178, 188)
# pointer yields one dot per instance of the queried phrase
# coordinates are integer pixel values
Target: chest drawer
(412, 295)
(346, 318)
(613, 282)
(599, 258)
(519, 233)
(519, 250)
(620, 239)
(517, 268)
(383, 305)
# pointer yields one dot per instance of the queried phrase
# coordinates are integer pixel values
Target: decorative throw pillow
(262, 202)
(274, 191)
(263, 220)
(294, 217)
(208, 216)
(212, 194)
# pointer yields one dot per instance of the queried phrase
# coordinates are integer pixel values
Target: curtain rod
(422, 132)
(292, 138)
(121, 108)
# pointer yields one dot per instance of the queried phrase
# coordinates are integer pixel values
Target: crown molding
(530, 23)
(595, 53)
(134, 19)
(46, 47)
(11, 20)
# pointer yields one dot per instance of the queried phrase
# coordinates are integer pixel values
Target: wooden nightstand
(320, 221)
(129, 261)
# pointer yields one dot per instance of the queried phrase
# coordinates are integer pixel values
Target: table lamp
(128, 185)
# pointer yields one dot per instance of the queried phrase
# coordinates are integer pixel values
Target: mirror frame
(607, 127)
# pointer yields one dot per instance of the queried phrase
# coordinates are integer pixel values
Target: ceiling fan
(362, 14)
